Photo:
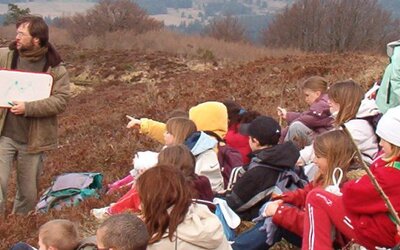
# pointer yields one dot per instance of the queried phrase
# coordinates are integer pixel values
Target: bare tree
(331, 25)
(227, 28)
(110, 16)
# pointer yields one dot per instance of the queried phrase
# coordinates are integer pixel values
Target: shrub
(109, 16)
(227, 28)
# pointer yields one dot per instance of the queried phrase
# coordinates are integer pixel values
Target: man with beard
(28, 129)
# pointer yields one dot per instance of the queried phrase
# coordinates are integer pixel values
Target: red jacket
(366, 208)
(238, 141)
(290, 215)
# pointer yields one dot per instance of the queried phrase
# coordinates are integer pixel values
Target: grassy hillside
(108, 84)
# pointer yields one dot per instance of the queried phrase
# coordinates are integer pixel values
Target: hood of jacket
(201, 228)
(210, 116)
(199, 142)
(367, 108)
(282, 156)
(390, 47)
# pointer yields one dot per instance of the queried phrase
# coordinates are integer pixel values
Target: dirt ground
(108, 85)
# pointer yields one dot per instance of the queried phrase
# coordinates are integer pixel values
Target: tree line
(309, 25)
(332, 25)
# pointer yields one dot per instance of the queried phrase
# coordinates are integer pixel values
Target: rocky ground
(107, 85)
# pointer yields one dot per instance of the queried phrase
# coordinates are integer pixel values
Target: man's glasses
(20, 34)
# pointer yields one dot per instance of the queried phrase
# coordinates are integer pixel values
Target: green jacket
(43, 127)
(389, 92)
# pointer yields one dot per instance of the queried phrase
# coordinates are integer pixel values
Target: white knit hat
(389, 126)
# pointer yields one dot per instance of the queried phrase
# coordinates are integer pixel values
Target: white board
(23, 86)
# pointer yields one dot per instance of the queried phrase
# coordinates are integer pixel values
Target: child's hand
(133, 123)
(300, 162)
(282, 112)
(272, 207)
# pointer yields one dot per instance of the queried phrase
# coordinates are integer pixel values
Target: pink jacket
(318, 117)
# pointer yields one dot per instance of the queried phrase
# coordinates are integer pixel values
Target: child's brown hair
(161, 188)
(316, 83)
(180, 157)
(60, 234)
(123, 232)
(348, 94)
(180, 128)
(336, 146)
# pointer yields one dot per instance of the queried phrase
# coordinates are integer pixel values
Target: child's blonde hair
(348, 94)
(395, 155)
(180, 128)
(60, 234)
(337, 147)
(316, 83)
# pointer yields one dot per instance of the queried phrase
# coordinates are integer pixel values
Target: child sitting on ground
(122, 232)
(58, 235)
(350, 109)
(269, 159)
(210, 117)
(177, 130)
(333, 150)
(172, 219)
(236, 116)
(178, 156)
(303, 127)
(360, 213)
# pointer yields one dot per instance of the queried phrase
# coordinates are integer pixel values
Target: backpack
(372, 120)
(69, 190)
(288, 179)
(228, 158)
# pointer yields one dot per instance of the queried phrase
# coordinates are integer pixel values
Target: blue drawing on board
(17, 91)
(19, 86)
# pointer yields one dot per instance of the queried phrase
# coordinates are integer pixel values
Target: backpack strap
(235, 174)
(256, 199)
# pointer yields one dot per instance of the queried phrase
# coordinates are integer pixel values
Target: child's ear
(319, 93)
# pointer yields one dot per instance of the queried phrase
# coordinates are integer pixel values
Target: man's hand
(18, 108)
(282, 112)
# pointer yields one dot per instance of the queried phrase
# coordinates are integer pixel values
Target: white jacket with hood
(202, 147)
(200, 229)
(361, 131)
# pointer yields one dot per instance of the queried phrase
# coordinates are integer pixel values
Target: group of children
(333, 209)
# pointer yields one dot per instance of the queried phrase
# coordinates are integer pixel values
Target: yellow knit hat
(210, 116)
